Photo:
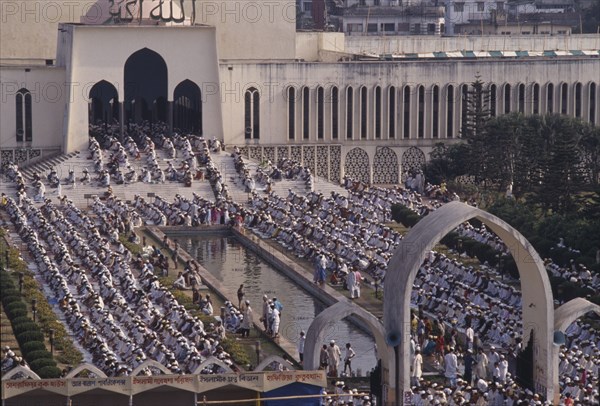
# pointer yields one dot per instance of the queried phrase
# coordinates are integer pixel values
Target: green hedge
(39, 354)
(30, 336)
(20, 319)
(9, 291)
(27, 326)
(49, 372)
(32, 346)
(40, 363)
(18, 313)
(404, 215)
(11, 307)
(10, 299)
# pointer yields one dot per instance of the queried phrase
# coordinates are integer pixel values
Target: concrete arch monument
(212, 360)
(563, 317)
(85, 367)
(153, 364)
(20, 371)
(571, 311)
(316, 334)
(273, 358)
(538, 312)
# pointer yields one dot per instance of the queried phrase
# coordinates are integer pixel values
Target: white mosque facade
(368, 107)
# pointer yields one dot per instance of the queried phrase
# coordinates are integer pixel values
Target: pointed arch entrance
(187, 108)
(538, 312)
(103, 104)
(146, 84)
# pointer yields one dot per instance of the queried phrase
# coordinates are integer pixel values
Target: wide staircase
(46, 165)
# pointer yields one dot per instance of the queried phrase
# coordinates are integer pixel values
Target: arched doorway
(357, 165)
(317, 331)
(187, 109)
(385, 166)
(146, 84)
(103, 104)
(537, 308)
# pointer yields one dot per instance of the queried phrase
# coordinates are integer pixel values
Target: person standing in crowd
(469, 361)
(240, 295)
(278, 306)
(301, 341)
(265, 313)
(324, 358)
(482, 365)
(334, 353)
(350, 353)
(417, 368)
(248, 320)
(451, 367)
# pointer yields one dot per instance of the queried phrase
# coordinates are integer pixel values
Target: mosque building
(370, 107)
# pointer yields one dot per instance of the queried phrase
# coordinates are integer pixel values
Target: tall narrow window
(406, 103)
(349, 112)
(522, 98)
(252, 113)
(363, 112)
(450, 112)
(593, 103)
(335, 118)
(421, 117)
(24, 123)
(507, 96)
(20, 123)
(536, 98)
(435, 109)
(564, 97)
(550, 98)
(392, 112)
(493, 100)
(578, 100)
(378, 112)
(464, 106)
(320, 112)
(305, 113)
(291, 113)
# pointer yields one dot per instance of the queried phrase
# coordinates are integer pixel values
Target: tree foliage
(546, 159)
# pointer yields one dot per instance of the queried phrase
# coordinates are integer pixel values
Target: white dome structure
(147, 12)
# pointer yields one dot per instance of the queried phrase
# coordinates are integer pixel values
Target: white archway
(153, 364)
(571, 311)
(538, 314)
(85, 367)
(210, 361)
(20, 369)
(316, 333)
(273, 358)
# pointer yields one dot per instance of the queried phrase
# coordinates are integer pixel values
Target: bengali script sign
(274, 380)
(18, 387)
(128, 385)
(80, 385)
(144, 383)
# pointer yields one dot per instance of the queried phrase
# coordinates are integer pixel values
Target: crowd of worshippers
(358, 217)
(267, 173)
(343, 394)
(83, 269)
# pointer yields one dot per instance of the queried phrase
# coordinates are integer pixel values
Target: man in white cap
(334, 353)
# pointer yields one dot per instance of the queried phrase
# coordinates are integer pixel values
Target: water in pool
(233, 264)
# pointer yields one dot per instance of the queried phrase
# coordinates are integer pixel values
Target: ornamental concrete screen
(538, 314)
